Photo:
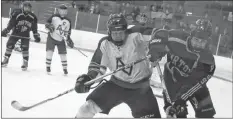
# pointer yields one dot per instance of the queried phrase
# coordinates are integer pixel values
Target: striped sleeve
(200, 79)
(96, 68)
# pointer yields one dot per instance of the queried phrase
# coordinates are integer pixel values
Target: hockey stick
(163, 85)
(73, 47)
(18, 36)
(18, 106)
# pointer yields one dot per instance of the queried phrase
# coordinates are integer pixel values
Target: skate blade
(4, 65)
(49, 73)
(24, 69)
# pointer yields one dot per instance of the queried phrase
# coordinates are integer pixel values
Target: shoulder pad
(103, 39)
(183, 35)
(160, 33)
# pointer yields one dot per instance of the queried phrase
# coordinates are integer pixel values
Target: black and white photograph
(116, 59)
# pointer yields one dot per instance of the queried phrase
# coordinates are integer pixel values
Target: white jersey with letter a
(62, 27)
(135, 48)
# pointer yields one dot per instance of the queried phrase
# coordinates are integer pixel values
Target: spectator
(153, 8)
(135, 12)
(214, 39)
(179, 13)
(74, 4)
(168, 13)
(97, 9)
(225, 46)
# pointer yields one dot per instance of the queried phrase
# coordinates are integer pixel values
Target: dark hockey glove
(70, 43)
(179, 108)
(5, 32)
(50, 27)
(79, 86)
(37, 37)
(157, 52)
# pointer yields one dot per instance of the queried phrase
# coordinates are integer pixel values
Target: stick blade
(18, 106)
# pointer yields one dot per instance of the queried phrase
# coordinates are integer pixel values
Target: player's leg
(62, 52)
(143, 103)
(101, 100)
(25, 53)
(202, 103)
(50, 46)
(9, 47)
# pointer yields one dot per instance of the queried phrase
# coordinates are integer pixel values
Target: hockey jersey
(22, 23)
(186, 71)
(62, 27)
(108, 55)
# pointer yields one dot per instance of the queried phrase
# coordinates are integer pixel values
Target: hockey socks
(49, 55)
(6, 57)
(64, 63)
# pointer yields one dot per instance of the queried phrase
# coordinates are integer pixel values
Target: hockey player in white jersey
(132, 85)
(59, 27)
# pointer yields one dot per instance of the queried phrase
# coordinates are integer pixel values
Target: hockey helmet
(117, 26)
(62, 10)
(201, 34)
(26, 7)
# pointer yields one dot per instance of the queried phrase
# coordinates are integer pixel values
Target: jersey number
(120, 63)
(23, 28)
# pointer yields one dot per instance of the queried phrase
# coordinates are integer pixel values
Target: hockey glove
(37, 37)
(5, 32)
(178, 109)
(70, 43)
(80, 87)
(50, 27)
(157, 52)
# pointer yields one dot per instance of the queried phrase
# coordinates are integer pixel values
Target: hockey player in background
(131, 85)
(59, 27)
(18, 46)
(22, 21)
(189, 66)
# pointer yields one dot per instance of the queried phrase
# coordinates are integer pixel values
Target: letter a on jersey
(120, 63)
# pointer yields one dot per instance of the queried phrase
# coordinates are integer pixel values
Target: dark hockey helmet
(200, 35)
(62, 10)
(26, 7)
(117, 26)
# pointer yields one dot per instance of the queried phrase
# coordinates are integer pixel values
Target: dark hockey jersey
(108, 55)
(186, 71)
(21, 23)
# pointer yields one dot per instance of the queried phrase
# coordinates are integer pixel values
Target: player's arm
(95, 68)
(49, 25)
(35, 29)
(12, 22)
(70, 43)
(198, 78)
(158, 44)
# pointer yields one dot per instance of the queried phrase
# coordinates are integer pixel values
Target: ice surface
(35, 85)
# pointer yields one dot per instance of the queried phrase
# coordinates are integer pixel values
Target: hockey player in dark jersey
(189, 66)
(22, 21)
(131, 85)
(59, 27)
